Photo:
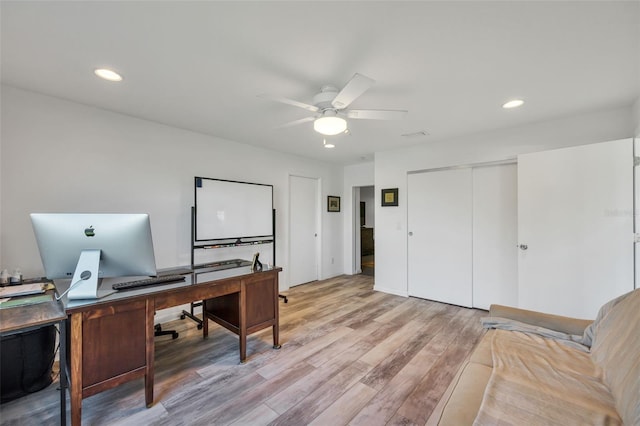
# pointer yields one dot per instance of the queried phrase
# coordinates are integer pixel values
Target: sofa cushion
(463, 405)
(540, 381)
(616, 349)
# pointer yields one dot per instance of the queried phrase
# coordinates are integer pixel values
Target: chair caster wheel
(174, 336)
(199, 326)
(182, 317)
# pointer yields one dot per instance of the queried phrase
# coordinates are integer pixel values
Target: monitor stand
(84, 284)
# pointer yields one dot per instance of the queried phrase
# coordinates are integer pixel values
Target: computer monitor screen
(88, 246)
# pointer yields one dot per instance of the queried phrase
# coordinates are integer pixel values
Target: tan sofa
(613, 350)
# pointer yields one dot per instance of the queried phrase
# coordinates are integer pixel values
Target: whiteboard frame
(237, 238)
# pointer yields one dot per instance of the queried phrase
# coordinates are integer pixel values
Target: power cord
(83, 277)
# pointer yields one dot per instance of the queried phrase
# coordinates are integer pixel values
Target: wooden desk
(112, 339)
(258, 297)
(23, 318)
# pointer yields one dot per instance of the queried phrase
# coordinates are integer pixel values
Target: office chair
(158, 331)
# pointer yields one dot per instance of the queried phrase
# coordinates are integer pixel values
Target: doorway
(366, 222)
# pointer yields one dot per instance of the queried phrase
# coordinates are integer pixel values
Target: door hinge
(636, 161)
(636, 238)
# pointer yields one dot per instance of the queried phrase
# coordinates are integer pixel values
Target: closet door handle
(523, 246)
(411, 234)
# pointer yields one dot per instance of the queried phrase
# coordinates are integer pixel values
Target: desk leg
(276, 310)
(76, 369)
(205, 321)
(150, 354)
(63, 372)
(242, 321)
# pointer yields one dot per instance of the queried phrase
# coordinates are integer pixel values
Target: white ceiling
(200, 65)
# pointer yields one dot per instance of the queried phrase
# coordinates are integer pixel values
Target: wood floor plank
(322, 397)
(428, 392)
(281, 364)
(384, 405)
(254, 397)
(405, 310)
(350, 355)
(346, 407)
(260, 416)
(289, 397)
(368, 333)
(391, 343)
(384, 371)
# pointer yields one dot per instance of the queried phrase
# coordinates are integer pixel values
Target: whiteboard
(231, 210)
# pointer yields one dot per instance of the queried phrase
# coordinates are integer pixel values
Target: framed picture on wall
(390, 197)
(333, 203)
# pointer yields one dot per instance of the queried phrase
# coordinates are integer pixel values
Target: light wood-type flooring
(349, 355)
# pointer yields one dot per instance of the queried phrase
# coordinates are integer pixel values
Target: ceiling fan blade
(308, 107)
(295, 123)
(355, 87)
(376, 114)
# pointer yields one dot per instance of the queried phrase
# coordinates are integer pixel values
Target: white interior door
(303, 230)
(439, 242)
(575, 217)
(495, 236)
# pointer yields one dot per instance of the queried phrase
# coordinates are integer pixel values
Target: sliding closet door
(495, 236)
(575, 227)
(439, 242)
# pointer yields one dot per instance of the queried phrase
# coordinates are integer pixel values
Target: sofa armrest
(553, 322)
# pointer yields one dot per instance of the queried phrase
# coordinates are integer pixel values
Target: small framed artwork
(333, 203)
(390, 197)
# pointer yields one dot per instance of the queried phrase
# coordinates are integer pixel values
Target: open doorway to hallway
(367, 235)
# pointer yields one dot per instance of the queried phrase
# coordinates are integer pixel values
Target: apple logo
(89, 232)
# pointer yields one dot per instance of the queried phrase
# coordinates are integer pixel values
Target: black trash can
(26, 360)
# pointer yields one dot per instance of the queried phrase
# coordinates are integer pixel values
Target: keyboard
(146, 282)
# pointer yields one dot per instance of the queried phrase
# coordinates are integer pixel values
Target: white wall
(60, 156)
(636, 117)
(391, 169)
(354, 176)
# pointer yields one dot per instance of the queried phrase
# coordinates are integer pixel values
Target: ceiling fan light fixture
(330, 125)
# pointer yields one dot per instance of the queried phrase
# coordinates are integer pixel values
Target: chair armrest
(553, 322)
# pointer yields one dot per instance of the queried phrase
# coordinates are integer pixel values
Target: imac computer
(88, 247)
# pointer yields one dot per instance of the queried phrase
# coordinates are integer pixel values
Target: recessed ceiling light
(513, 104)
(108, 74)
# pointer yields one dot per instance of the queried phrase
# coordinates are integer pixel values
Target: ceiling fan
(331, 107)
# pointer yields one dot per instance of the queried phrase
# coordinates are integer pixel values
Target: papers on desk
(25, 300)
(21, 290)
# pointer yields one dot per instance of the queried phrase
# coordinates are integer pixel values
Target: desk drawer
(112, 344)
